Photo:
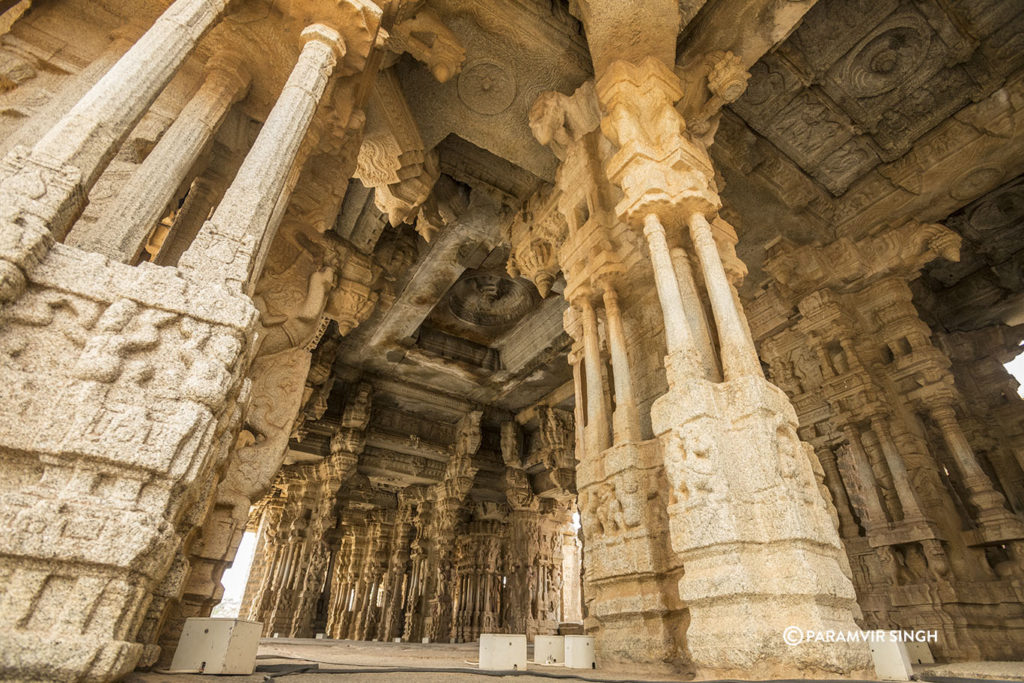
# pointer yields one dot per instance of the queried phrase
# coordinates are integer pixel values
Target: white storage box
(919, 653)
(503, 651)
(891, 660)
(579, 652)
(217, 646)
(549, 650)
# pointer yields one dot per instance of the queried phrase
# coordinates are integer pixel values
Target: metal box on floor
(549, 650)
(503, 651)
(579, 652)
(217, 646)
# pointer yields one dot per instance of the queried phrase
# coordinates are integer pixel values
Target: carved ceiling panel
(515, 50)
(861, 80)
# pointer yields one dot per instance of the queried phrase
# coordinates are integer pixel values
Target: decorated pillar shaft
(231, 246)
(122, 230)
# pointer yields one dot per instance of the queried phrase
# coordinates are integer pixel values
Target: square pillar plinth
(753, 530)
(120, 387)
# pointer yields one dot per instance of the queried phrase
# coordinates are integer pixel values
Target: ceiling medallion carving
(489, 300)
(486, 87)
(1002, 208)
(888, 58)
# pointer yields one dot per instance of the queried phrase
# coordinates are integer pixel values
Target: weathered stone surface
(403, 286)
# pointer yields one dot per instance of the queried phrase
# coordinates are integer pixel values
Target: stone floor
(358, 661)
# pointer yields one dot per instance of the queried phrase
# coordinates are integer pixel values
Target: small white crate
(503, 651)
(891, 660)
(217, 646)
(919, 653)
(549, 650)
(579, 652)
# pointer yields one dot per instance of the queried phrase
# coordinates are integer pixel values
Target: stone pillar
(43, 191)
(71, 91)
(576, 361)
(202, 196)
(597, 416)
(681, 360)
(693, 308)
(898, 470)
(625, 420)
(834, 482)
(231, 246)
(121, 232)
(989, 502)
(873, 510)
(745, 508)
(739, 357)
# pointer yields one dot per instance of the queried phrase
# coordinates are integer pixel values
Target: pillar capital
(351, 29)
(322, 33)
(659, 167)
(229, 67)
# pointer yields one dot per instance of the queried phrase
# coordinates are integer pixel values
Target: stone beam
(748, 30)
(629, 31)
(475, 231)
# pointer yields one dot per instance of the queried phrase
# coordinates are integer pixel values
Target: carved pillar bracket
(660, 169)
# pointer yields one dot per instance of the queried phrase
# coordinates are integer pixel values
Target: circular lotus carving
(486, 87)
(975, 182)
(489, 300)
(887, 58)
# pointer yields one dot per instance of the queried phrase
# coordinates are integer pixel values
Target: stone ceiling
(860, 81)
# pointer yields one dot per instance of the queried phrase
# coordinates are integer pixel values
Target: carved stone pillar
(231, 246)
(898, 470)
(597, 428)
(693, 308)
(867, 488)
(42, 191)
(989, 502)
(121, 232)
(71, 91)
(726, 443)
(202, 196)
(625, 419)
(739, 357)
(681, 360)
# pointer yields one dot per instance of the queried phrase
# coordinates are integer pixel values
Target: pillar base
(121, 384)
(629, 573)
(754, 534)
(25, 656)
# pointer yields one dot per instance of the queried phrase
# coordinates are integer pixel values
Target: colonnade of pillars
(928, 504)
(381, 581)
